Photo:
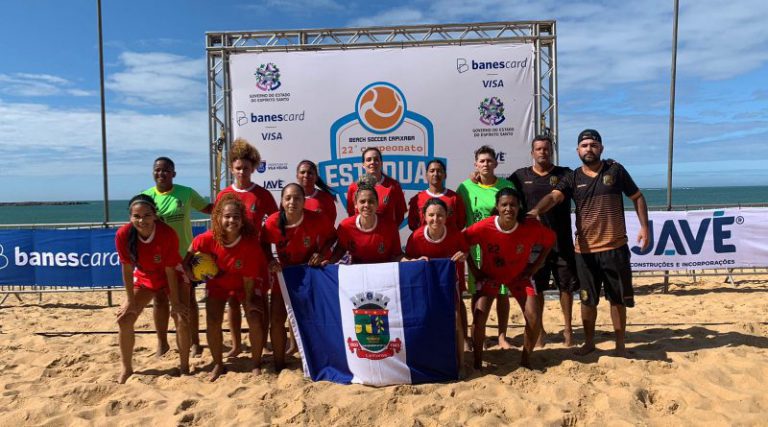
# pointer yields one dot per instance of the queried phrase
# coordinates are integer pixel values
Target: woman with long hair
(235, 246)
(300, 236)
(319, 197)
(149, 255)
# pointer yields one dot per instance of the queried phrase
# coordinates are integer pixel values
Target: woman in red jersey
(506, 241)
(391, 200)
(455, 209)
(259, 204)
(437, 240)
(319, 197)
(367, 236)
(234, 244)
(149, 254)
(300, 236)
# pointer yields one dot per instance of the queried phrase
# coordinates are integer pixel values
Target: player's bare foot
(569, 341)
(184, 370)
(234, 352)
(584, 350)
(620, 351)
(218, 370)
(196, 350)
(525, 360)
(542, 341)
(505, 343)
(292, 348)
(124, 376)
(162, 348)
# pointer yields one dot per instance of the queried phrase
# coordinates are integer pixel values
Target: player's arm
(641, 207)
(186, 263)
(253, 304)
(207, 209)
(546, 203)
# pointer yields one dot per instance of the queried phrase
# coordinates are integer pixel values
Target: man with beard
(602, 254)
(536, 182)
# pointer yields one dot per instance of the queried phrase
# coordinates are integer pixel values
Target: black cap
(589, 134)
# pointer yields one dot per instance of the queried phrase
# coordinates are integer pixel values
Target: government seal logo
(372, 328)
(267, 77)
(491, 111)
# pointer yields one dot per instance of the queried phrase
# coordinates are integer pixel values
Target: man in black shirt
(536, 182)
(602, 253)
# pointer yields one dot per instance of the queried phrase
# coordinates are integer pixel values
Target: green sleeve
(196, 200)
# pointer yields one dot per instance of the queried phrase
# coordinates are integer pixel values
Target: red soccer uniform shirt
(323, 203)
(419, 244)
(242, 259)
(391, 200)
(381, 244)
(161, 250)
(301, 240)
(505, 254)
(457, 213)
(258, 202)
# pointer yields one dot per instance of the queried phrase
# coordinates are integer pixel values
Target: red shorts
(222, 293)
(149, 285)
(519, 290)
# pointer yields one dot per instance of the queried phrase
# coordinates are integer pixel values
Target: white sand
(698, 358)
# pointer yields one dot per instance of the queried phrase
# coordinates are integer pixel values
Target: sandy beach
(699, 356)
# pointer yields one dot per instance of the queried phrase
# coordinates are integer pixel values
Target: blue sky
(614, 60)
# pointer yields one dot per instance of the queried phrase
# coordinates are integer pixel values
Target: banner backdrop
(414, 104)
(697, 240)
(80, 258)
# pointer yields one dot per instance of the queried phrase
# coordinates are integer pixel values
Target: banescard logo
(381, 119)
(684, 239)
(3, 259)
(491, 111)
(372, 328)
(242, 118)
(463, 65)
(267, 77)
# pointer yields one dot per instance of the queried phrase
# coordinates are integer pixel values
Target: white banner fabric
(698, 240)
(414, 104)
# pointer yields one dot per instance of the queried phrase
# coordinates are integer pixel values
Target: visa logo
(271, 136)
(493, 83)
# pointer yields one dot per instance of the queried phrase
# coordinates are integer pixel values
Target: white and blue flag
(375, 324)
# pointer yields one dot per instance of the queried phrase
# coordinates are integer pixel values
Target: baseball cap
(589, 134)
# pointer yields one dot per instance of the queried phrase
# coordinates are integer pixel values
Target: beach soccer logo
(267, 77)
(372, 328)
(382, 120)
(491, 111)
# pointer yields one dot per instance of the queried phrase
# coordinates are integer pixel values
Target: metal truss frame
(220, 45)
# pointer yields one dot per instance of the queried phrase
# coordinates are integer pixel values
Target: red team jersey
(457, 213)
(243, 259)
(505, 254)
(161, 250)
(381, 244)
(258, 202)
(391, 200)
(323, 203)
(301, 240)
(419, 244)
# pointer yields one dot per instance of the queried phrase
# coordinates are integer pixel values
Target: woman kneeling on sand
(149, 254)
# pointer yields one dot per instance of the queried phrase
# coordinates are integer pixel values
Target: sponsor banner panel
(413, 104)
(79, 258)
(697, 240)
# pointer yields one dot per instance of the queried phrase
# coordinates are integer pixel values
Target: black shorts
(562, 266)
(610, 268)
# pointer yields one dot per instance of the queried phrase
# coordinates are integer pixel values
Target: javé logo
(267, 77)
(684, 239)
(3, 259)
(491, 111)
(381, 107)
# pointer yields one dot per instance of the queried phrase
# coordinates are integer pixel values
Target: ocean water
(93, 211)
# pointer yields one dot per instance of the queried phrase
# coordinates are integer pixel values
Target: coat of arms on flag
(376, 324)
(372, 327)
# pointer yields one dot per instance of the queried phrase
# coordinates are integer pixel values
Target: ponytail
(133, 233)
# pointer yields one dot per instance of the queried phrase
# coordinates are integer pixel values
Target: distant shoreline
(42, 203)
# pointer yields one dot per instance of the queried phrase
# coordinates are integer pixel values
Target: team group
(513, 235)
